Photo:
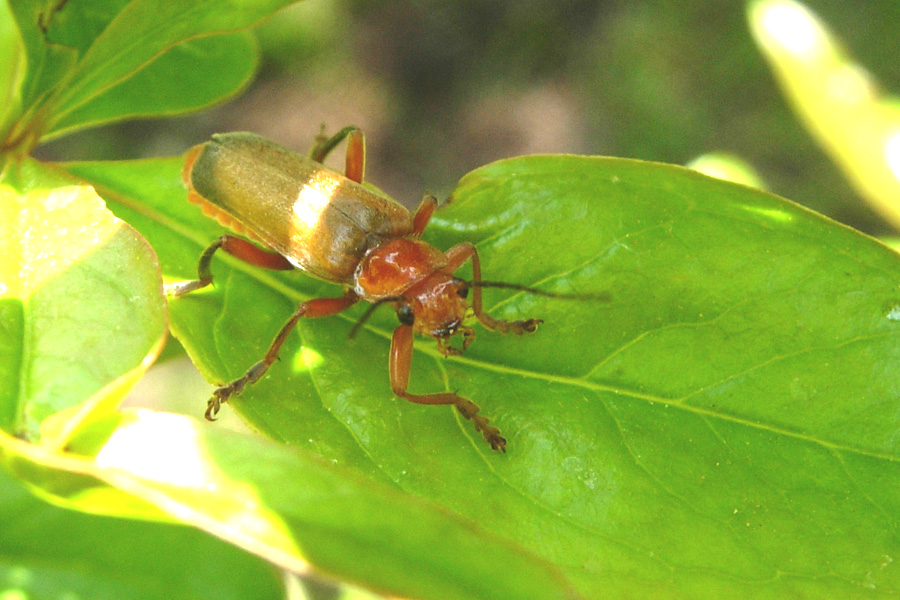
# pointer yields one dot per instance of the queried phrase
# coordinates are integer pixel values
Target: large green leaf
(80, 301)
(725, 426)
(48, 552)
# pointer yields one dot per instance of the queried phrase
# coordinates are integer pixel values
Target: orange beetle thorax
(414, 270)
(395, 266)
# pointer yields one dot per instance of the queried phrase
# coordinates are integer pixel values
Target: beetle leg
(355, 157)
(446, 349)
(324, 145)
(423, 215)
(317, 307)
(355, 161)
(401, 361)
(237, 247)
(459, 254)
(468, 336)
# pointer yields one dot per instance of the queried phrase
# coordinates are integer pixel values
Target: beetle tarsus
(236, 387)
(323, 144)
(515, 327)
(493, 437)
(222, 395)
(446, 349)
(184, 287)
(491, 434)
(212, 408)
(526, 326)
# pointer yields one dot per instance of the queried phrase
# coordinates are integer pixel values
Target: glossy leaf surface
(725, 425)
(80, 299)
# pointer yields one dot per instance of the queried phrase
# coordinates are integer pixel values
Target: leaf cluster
(725, 425)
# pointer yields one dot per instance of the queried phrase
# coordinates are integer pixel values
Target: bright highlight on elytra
(312, 200)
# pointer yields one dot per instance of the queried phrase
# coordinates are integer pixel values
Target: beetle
(329, 225)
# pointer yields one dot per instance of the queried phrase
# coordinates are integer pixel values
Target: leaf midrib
(676, 403)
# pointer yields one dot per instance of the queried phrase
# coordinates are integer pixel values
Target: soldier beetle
(329, 225)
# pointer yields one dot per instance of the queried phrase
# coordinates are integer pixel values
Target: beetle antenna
(365, 316)
(601, 297)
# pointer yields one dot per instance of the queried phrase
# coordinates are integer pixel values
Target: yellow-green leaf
(835, 97)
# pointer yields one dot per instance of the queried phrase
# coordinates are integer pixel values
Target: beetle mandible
(332, 227)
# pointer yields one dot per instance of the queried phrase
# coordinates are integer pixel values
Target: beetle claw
(221, 395)
(520, 327)
(491, 434)
(531, 325)
(212, 408)
(446, 349)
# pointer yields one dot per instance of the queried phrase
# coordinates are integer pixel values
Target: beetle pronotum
(332, 227)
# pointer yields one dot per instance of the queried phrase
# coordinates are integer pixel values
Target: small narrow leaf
(167, 86)
(46, 63)
(142, 31)
(12, 55)
(836, 98)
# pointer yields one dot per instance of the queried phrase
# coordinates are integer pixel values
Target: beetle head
(436, 307)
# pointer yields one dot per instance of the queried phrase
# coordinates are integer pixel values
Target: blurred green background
(443, 87)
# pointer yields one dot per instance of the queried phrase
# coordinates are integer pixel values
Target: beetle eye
(462, 290)
(405, 314)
